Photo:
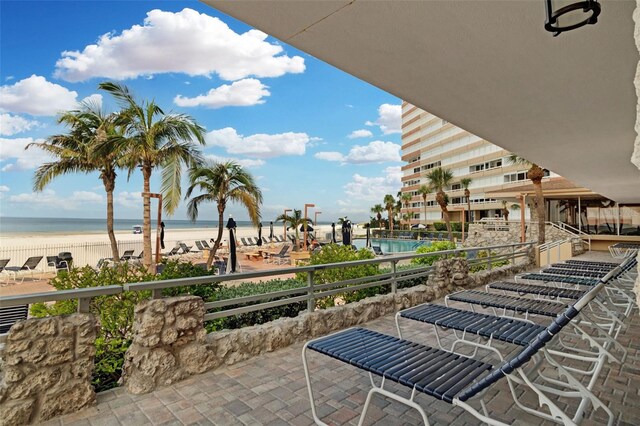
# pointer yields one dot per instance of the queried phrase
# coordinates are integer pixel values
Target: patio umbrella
(270, 231)
(346, 233)
(162, 235)
(259, 235)
(231, 265)
(333, 232)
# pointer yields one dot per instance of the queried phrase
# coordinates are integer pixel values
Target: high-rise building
(429, 142)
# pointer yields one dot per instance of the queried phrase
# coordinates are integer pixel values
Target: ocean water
(57, 225)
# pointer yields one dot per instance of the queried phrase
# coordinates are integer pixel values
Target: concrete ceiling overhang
(489, 67)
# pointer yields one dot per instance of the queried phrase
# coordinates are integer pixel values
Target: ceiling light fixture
(565, 15)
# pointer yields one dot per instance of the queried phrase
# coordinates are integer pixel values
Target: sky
(308, 132)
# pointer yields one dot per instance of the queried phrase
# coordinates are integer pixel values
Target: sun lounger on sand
(29, 267)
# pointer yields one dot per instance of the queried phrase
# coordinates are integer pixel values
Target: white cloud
(129, 199)
(245, 92)
(188, 42)
(14, 149)
(374, 152)
(95, 99)
(49, 199)
(329, 156)
(12, 124)
(389, 119)
(362, 133)
(259, 145)
(36, 96)
(4, 188)
(374, 188)
(244, 162)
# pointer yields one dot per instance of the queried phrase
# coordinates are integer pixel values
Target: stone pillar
(450, 274)
(48, 368)
(169, 344)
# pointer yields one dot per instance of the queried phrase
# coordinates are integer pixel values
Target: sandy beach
(88, 248)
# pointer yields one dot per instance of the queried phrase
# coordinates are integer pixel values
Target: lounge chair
(3, 263)
(265, 241)
(455, 378)
(11, 315)
(244, 242)
(205, 244)
(29, 267)
(128, 254)
(377, 251)
(280, 257)
(187, 249)
(57, 263)
(174, 251)
(200, 246)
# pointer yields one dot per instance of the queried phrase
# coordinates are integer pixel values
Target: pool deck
(270, 390)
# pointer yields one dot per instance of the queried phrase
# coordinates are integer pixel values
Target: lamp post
(305, 224)
(285, 225)
(315, 221)
(159, 197)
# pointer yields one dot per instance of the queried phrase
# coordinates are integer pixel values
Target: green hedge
(455, 226)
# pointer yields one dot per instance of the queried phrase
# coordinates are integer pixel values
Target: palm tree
(465, 182)
(424, 190)
(439, 179)
(389, 202)
(405, 199)
(535, 174)
(156, 139)
(223, 183)
(377, 210)
(295, 221)
(407, 219)
(505, 210)
(76, 152)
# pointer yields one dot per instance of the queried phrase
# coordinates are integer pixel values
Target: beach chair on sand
(174, 251)
(280, 257)
(457, 379)
(201, 247)
(57, 263)
(29, 267)
(128, 254)
(187, 249)
(3, 263)
(205, 245)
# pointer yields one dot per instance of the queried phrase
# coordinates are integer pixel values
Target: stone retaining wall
(48, 363)
(170, 342)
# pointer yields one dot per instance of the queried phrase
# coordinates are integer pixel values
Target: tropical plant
(433, 247)
(222, 183)
(377, 210)
(389, 203)
(406, 200)
(75, 152)
(439, 179)
(535, 174)
(424, 190)
(295, 221)
(406, 217)
(465, 182)
(155, 139)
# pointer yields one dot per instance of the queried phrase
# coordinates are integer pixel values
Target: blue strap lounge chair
(448, 376)
(29, 267)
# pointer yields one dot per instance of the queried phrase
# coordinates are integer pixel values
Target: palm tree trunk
(447, 221)
(112, 236)
(390, 223)
(537, 186)
(146, 219)
(469, 210)
(297, 243)
(212, 252)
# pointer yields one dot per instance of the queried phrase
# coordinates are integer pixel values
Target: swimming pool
(388, 245)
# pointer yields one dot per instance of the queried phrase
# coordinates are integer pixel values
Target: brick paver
(270, 390)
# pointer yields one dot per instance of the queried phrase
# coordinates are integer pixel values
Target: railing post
(489, 259)
(394, 282)
(311, 301)
(513, 255)
(83, 304)
(156, 293)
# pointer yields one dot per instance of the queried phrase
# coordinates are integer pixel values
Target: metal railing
(310, 292)
(573, 231)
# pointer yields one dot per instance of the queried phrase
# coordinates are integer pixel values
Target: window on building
(456, 186)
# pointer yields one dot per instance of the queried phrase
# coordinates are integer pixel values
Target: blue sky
(310, 133)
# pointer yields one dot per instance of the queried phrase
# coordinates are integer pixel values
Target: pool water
(391, 245)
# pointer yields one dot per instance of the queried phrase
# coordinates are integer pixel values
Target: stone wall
(481, 235)
(48, 364)
(170, 342)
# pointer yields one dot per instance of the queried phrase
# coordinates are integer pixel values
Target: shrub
(455, 226)
(334, 253)
(435, 246)
(257, 317)
(483, 265)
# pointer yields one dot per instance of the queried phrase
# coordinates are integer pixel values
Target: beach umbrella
(368, 244)
(231, 265)
(162, 235)
(270, 231)
(259, 234)
(346, 233)
(333, 232)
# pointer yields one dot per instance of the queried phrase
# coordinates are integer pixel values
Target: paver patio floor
(270, 390)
